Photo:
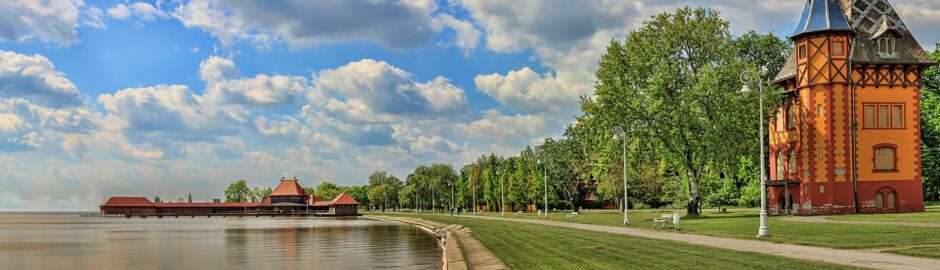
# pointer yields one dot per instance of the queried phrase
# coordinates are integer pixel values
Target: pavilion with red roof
(288, 198)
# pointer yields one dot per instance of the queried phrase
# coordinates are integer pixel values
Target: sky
(169, 98)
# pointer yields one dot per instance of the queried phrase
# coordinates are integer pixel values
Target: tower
(841, 142)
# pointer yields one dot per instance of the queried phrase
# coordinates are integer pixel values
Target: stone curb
(452, 256)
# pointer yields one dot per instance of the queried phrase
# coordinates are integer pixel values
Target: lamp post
(618, 132)
(748, 78)
(502, 194)
(545, 184)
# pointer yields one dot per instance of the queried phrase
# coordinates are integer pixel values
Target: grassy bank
(932, 215)
(527, 246)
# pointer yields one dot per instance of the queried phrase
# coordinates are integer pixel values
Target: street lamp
(545, 183)
(748, 78)
(618, 132)
(502, 194)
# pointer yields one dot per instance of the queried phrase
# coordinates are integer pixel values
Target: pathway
(857, 258)
(824, 219)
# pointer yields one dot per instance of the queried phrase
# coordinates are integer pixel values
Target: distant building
(286, 199)
(847, 137)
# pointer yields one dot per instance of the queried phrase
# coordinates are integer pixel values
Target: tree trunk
(692, 209)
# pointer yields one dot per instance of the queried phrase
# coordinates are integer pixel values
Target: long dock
(210, 215)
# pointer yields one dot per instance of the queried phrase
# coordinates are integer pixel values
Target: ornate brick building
(847, 137)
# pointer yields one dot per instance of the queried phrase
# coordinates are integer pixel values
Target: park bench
(572, 215)
(667, 218)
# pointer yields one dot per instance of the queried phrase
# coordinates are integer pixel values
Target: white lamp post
(748, 78)
(618, 132)
(545, 184)
(502, 194)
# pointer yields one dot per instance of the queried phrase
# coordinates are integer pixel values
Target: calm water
(67, 241)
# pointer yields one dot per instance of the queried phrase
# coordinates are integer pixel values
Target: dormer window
(887, 46)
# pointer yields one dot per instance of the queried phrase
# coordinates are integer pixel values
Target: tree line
(689, 137)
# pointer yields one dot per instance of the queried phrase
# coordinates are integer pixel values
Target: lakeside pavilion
(287, 198)
(846, 138)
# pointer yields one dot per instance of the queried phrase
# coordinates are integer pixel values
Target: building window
(879, 200)
(870, 116)
(802, 51)
(838, 48)
(885, 158)
(897, 116)
(780, 166)
(883, 116)
(890, 201)
(819, 110)
(791, 117)
(886, 46)
(792, 162)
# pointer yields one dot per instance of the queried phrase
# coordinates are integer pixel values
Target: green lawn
(932, 215)
(528, 246)
(742, 223)
(924, 251)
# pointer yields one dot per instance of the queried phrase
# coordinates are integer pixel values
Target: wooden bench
(572, 215)
(667, 218)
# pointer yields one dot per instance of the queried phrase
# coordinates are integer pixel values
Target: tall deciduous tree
(674, 81)
(238, 191)
(930, 130)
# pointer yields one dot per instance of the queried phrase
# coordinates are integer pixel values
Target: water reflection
(66, 241)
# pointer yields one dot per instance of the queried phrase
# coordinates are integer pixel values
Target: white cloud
(528, 91)
(36, 78)
(217, 68)
(385, 89)
(53, 21)
(140, 10)
(10, 123)
(93, 17)
(468, 36)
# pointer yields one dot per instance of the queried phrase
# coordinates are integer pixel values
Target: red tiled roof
(344, 199)
(288, 187)
(207, 204)
(127, 201)
(323, 203)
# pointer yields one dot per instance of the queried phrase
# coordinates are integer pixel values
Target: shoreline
(460, 250)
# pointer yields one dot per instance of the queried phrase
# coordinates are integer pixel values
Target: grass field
(527, 246)
(932, 215)
(742, 223)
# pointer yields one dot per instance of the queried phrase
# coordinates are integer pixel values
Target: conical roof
(820, 16)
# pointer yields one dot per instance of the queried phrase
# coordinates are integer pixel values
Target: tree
(383, 189)
(237, 191)
(328, 191)
(259, 193)
(674, 81)
(930, 129)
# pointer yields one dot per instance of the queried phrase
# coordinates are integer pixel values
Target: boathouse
(846, 138)
(288, 198)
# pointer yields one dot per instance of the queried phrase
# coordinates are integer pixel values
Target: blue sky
(102, 98)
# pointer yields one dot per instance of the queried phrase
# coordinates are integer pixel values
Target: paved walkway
(824, 219)
(857, 258)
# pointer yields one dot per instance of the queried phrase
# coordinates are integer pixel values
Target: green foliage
(930, 130)
(259, 193)
(327, 191)
(237, 191)
(383, 190)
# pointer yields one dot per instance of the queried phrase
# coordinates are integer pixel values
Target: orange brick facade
(847, 137)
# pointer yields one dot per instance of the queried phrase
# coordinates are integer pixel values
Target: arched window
(891, 200)
(879, 200)
(792, 161)
(780, 166)
(885, 158)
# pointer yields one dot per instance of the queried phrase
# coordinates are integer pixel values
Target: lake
(68, 241)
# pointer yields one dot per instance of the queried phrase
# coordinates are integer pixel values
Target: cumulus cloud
(35, 77)
(395, 24)
(93, 17)
(53, 21)
(384, 89)
(468, 36)
(217, 68)
(165, 109)
(528, 91)
(140, 10)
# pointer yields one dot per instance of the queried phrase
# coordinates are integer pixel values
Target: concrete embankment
(460, 250)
